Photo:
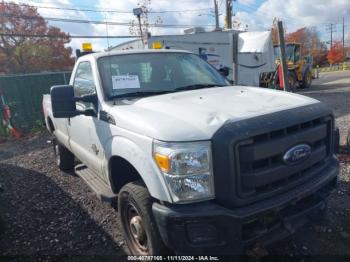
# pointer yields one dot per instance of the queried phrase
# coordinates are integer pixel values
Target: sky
(256, 14)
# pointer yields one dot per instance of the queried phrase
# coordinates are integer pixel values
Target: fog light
(202, 233)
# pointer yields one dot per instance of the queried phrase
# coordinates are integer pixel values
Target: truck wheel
(292, 80)
(64, 158)
(138, 225)
(307, 80)
(348, 143)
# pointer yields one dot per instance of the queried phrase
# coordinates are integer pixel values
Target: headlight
(187, 168)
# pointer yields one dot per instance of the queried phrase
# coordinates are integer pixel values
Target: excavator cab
(299, 68)
(293, 55)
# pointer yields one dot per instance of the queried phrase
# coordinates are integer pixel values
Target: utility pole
(331, 36)
(138, 12)
(229, 13)
(283, 56)
(343, 36)
(217, 25)
(331, 28)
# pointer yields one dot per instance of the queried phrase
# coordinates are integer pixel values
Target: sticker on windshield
(125, 81)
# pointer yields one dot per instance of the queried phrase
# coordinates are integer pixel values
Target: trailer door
(255, 56)
(214, 47)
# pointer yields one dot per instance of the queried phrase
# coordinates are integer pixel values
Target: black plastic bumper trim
(172, 220)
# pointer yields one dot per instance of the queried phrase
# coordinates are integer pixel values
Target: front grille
(259, 167)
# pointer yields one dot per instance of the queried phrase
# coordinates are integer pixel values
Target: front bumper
(208, 228)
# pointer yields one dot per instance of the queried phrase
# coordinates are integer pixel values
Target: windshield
(156, 73)
(289, 52)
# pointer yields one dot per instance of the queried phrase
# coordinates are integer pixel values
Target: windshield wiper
(141, 94)
(198, 86)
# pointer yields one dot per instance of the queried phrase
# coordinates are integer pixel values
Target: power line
(95, 21)
(221, 3)
(62, 36)
(248, 8)
(256, 8)
(331, 28)
(109, 10)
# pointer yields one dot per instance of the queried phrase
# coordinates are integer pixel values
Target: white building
(133, 44)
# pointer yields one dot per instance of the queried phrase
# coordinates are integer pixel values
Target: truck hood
(198, 114)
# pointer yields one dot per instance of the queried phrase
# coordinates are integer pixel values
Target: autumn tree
(306, 37)
(336, 53)
(310, 43)
(320, 55)
(20, 52)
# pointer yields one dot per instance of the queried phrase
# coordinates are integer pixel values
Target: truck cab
(195, 165)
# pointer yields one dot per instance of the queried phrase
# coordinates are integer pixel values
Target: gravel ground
(49, 213)
(334, 90)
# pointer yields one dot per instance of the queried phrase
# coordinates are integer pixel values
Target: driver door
(82, 130)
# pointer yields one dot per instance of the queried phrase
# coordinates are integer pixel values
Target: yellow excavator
(299, 68)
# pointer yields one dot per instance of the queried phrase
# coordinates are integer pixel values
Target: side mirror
(63, 101)
(225, 71)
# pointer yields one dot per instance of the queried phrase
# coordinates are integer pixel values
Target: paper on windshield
(125, 81)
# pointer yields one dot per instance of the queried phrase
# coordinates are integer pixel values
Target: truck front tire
(138, 224)
(64, 158)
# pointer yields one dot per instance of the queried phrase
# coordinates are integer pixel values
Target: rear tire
(307, 80)
(292, 82)
(138, 224)
(348, 143)
(64, 158)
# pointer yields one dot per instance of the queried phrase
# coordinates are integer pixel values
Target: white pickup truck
(196, 166)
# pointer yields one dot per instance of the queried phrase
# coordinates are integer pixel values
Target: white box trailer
(247, 54)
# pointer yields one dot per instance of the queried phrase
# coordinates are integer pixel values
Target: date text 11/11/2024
(173, 258)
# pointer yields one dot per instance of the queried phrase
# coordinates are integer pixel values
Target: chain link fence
(23, 94)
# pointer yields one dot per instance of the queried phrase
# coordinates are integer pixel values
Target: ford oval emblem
(297, 154)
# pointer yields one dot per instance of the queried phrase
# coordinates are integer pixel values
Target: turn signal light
(162, 162)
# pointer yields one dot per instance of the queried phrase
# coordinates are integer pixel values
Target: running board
(100, 188)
